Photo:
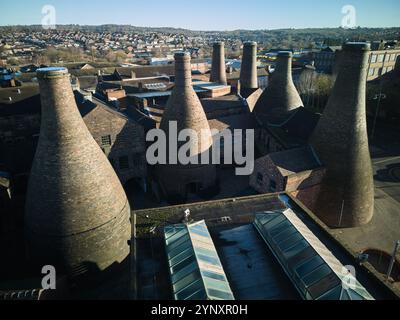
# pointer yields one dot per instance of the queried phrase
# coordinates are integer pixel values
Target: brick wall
(122, 140)
(265, 171)
(304, 180)
(266, 143)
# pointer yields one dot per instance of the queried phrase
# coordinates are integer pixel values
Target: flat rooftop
(239, 246)
(243, 252)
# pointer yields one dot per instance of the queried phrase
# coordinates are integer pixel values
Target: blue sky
(205, 14)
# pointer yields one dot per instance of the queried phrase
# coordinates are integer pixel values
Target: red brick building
(294, 171)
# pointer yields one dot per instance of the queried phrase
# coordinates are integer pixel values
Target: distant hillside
(289, 38)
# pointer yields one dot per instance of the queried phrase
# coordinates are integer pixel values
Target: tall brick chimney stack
(77, 213)
(281, 97)
(218, 68)
(185, 110)
(340, 139)
(248, 71)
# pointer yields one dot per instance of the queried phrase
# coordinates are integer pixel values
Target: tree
(315, 89)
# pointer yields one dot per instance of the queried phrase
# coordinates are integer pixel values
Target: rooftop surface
(234, 213)
(23, 99)
(293, 161)
(243, 252)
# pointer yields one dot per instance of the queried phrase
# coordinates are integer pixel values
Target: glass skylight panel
(184, 272)
(181, 247)
(213, 275)
(301, 258)
(345, 295)
(318, 274)
(189, 290)
(324, 285)
(195, 269)
(217, 285)
(178, 242)
(285, 234)
(219, 295)
(186, 281)
(290, 241)
(265, 218)
(284, 225)
(206, 252)
(199, 232)
(310, 265)
(354, 295)
(296, 249)
(181, 256)
(175, 236)
(268, 226)
(198, 295)
(333, 294)
(210, 260)
(178, 267)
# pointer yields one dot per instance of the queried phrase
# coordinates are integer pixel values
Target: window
(213, 275)
(317, 275)
(106, 141)
(309, 266)
(381, 57)
(124, 163)
(373, 58)
(371, 72)
(384, 70)
(392, 57)
(186, 281)
(295, 250)
(387, 57)
(193, 287)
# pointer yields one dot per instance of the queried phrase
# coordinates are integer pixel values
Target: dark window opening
(106, 141)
